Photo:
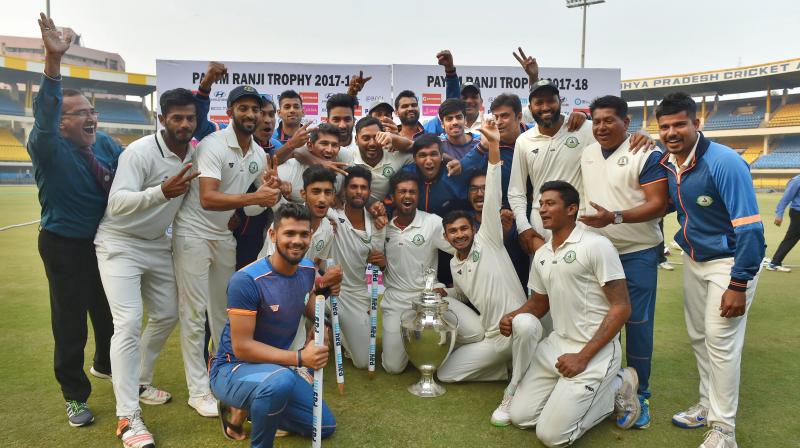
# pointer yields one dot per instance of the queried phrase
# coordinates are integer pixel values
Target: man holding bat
(253, 369)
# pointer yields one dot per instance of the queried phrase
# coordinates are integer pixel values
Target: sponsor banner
(578, 87)
(314, 82)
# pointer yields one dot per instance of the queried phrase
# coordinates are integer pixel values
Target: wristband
(318, 283)
(737, 285)
(450, 73)
(299, 359)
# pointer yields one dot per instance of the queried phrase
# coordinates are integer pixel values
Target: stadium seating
(751, 154)
(119, 111)
(636, 114)
(788, 115)
(8, 106)
(737, 114)
(126, 139)
(11, 149)
(785, 155)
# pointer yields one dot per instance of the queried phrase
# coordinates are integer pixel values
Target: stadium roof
(753, 78)
(87, 79)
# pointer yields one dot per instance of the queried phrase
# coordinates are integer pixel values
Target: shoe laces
(76, 407)
(506, 403)
(135, 423)
(697, 409)
(714, 437)
(210, 399)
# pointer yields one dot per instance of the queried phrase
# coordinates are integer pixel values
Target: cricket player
(382, 153)
(627, 196)
(722, 237)
(358, 242)
(134, 256)
(484, 275)
(574, 379)
(204, 250)
(412, 240)
(322, 144)
(253, 371)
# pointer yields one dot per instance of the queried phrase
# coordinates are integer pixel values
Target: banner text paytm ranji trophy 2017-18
(317, 82)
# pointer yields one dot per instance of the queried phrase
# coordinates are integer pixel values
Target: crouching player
(253, 370)
(573, 381)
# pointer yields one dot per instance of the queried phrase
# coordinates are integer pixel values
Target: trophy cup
(429, 334)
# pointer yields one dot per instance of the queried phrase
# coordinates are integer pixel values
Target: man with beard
(254, 370)
(341, 110)
(382, 153)
(627, 195)
(381, 110)
(506, 109)
(548, 151)
(413, 241)
(406, 105)
(469, 92)
(358, 242)
(484, 276)
(74, 167)
(723, 246)
(204, 250)
(457, 142)
(323, 145)
(134, 256)
(290, 111)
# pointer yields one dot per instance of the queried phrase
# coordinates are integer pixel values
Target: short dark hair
(508, 100)
(567, 192)
(675, 103)
(455, 215)
(70, 92)
(425, 140)
(175, 98)
(290, 95)
(341, 100)
(451, 106)
(368, 121)
(404, 94)
(324, 128)
(268, 100)
(292, 210)
(400, 177)
(357, 171)
(478, 173)
(619, 105)
(318, 173)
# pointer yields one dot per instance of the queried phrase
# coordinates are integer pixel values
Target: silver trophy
(429, 334)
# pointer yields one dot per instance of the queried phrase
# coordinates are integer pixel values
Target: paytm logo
(431, 98)
(309, 97)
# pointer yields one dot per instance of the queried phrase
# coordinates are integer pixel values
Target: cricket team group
(546, 236)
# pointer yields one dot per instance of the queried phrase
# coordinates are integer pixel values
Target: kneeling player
(574, 380)
(253, 369)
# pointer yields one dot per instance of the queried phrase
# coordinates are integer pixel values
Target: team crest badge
(418, 239)
(704, 201)
(570, 256)
(572, 142)
(274, 308)
(622, 161)
(388, 171)
(253, 167)
(230, 164)
(476, 256)
(319, 245)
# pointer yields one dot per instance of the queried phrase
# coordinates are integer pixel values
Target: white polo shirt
(487, 277)
(615, 184)
(320, 247)
(292, 171)
(411, 251)
(391, 163)
(542, 158)
(218, 156)
(573, 276)
(137, 207)
(351, 248)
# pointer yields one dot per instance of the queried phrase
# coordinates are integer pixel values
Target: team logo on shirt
(622, 161)
(319, 245)
(230, 164)
(572, 142)
(704, 201)
(570, 256)
(253, 167)
(418, 239)
(274, 308)
(388, 171)
(476, 256)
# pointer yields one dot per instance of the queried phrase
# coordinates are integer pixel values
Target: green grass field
(381, 412)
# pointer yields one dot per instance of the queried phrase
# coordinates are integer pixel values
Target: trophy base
(426, 387)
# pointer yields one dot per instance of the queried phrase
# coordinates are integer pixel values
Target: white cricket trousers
(487, 360)
(136, 273)
(394, 304)
(354, 322)
(717, 341)
(563, 409)
(202, 270)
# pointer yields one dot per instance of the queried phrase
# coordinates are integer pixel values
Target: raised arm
(202, 102)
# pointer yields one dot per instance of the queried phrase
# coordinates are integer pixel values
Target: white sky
(642, 37)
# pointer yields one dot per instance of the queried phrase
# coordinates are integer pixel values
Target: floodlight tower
(585, 4)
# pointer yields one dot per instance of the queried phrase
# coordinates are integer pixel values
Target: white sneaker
(133, 433)
(694, 417)
(149, 394)
(502, 415)
(99, 374)
(777, 267)
(719, 437)
(666, 265)
(626, 401)
(205, 405)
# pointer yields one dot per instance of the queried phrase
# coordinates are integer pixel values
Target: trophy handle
(451, 318)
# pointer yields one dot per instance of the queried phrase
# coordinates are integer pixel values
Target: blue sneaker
(643, 422)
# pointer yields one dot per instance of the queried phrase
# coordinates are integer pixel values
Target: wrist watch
(617, 217)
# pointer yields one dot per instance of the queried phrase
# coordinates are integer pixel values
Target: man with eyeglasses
(74, 166)
(204, 250)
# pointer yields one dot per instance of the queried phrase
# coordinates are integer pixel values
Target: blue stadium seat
(737, 114)
(636, 115)
(119, 111)
(9, 106)
(785, 155)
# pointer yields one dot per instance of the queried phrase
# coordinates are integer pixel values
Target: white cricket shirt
(351, 248)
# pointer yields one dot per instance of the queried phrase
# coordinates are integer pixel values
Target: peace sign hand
(528, 64)
(179, 183)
